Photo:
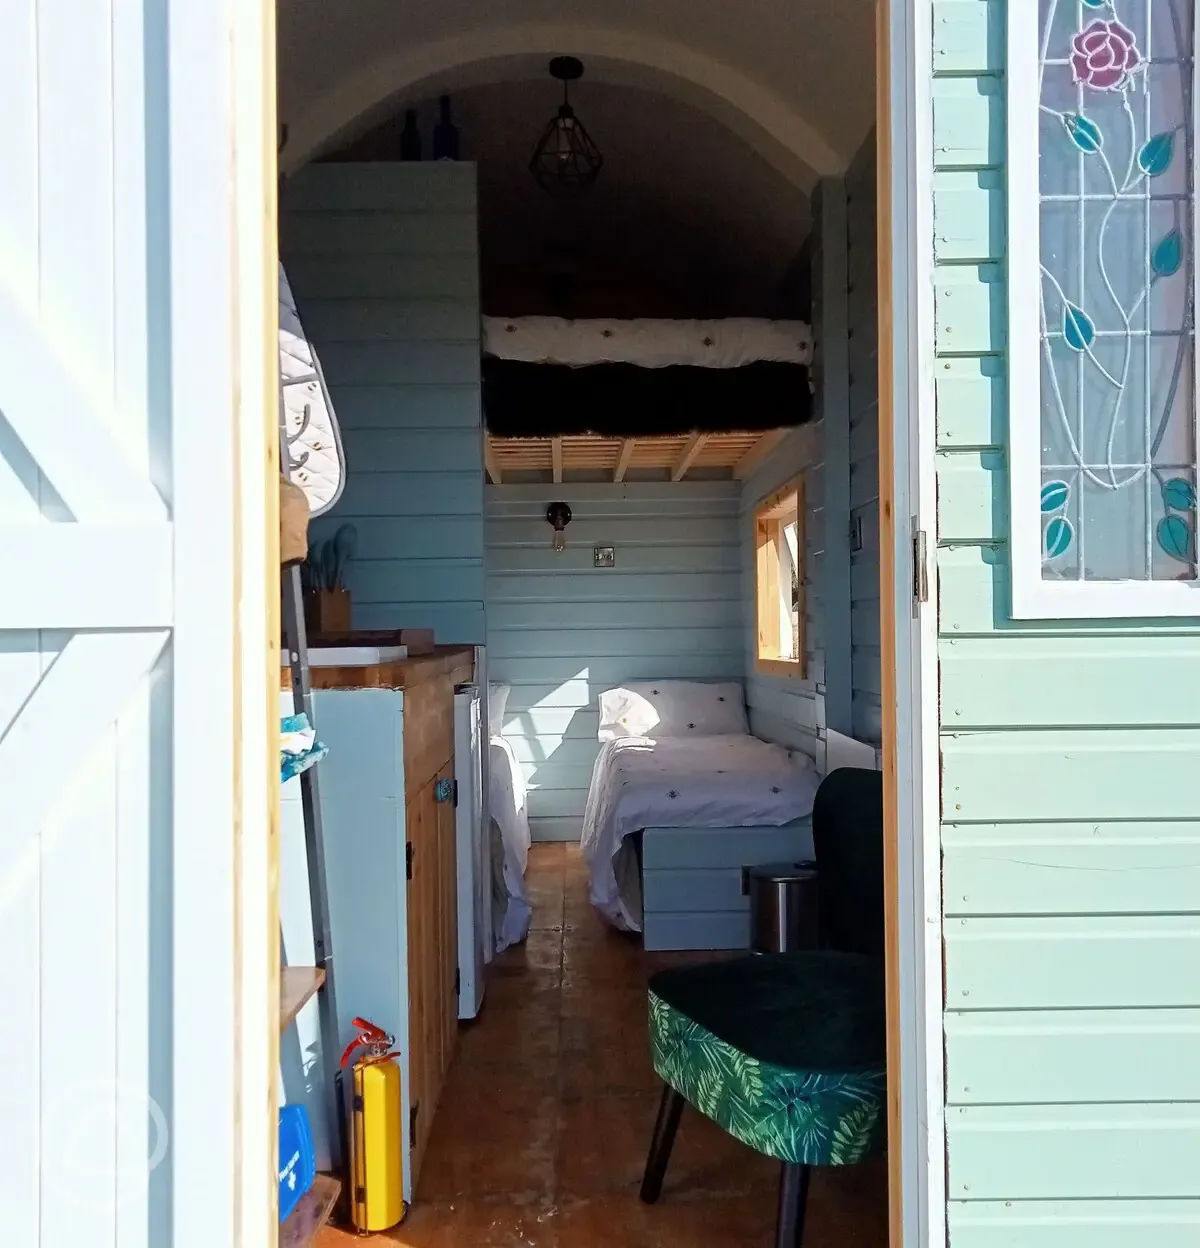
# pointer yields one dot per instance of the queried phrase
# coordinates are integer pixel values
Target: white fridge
(473, 851)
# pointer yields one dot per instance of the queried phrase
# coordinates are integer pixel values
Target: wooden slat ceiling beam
(735, 454)
(691, 448)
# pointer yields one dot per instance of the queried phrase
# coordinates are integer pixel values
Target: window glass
(1117, 334)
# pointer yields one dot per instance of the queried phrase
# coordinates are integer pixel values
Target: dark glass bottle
(445, 134)
(410, 137)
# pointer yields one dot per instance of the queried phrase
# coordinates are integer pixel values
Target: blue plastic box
(297, 1158)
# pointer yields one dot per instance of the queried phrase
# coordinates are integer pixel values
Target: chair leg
(793, 1197)
(669, 1110)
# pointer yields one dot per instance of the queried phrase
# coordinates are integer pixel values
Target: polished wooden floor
(541, 1135)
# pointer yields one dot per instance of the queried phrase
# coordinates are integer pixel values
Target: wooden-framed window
(779, 581)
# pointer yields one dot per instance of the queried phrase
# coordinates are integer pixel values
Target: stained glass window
(1117, 320)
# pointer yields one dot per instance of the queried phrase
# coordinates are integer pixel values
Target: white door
(123, 1033)
(908, 541)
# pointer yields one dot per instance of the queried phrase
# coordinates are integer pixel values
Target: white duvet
(694, 782)
(507, 803)
(729, 343)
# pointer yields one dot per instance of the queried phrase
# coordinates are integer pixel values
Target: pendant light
(566, 162)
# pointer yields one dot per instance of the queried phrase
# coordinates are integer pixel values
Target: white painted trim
(922, 1075)
(257, 586)
(222, 288)
(1034, 598)
(105, 576)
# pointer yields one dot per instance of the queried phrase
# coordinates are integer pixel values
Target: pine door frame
(907, 444)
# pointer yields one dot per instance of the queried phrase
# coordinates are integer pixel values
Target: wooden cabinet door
(432, 953)
(424, 1064)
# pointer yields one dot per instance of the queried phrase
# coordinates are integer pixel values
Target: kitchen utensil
(345, 541)
(317, 565)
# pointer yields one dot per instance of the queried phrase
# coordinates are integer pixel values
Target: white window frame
(1034, 598)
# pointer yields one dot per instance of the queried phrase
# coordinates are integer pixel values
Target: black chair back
(847, 824)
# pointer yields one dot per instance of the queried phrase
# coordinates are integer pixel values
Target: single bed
(508, 829)
(679, 755)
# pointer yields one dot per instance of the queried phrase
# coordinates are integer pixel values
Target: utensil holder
(328, 611)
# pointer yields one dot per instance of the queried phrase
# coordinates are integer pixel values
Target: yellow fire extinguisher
(376, 1138)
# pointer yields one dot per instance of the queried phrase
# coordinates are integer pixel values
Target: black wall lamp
(559, 516)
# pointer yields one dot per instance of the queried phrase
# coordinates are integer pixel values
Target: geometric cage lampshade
(566, 162)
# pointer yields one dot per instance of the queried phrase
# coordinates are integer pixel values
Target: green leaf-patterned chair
(786, 1051)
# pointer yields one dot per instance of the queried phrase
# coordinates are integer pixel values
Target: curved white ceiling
(790, 79)
(684, 212)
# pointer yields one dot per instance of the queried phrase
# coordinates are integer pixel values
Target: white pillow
(672, 708)
(497, 703)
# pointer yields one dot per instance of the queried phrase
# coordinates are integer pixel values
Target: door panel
(447, 902)
(432, 952)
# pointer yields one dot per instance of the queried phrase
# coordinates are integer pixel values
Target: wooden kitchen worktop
(456, 661)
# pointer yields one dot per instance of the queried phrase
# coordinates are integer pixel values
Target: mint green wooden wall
(1070, 799)
(561, 631)
(862, 398)
(790, 712)
(838, 456)
(384, 262)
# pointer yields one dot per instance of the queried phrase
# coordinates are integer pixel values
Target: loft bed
(620, 398)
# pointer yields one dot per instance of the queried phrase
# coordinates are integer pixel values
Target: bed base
(692, 881)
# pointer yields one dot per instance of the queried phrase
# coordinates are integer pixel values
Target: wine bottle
(445, 134)
(410, 137)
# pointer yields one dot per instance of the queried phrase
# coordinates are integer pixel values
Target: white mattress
(704, 782)
(729, 343)
(507, 803)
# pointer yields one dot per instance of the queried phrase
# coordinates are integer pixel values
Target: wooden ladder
(299, 984)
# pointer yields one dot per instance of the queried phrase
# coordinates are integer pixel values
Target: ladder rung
(310, 1215)
(297, 987)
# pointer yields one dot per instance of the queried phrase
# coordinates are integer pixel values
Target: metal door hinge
(458, 983)
(408, 858)
(412, 1125)
(920, 567)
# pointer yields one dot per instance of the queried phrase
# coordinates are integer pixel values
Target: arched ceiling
(685, 220)
(791, 78)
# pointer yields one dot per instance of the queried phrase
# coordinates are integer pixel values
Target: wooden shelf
(297, 987)
(311, 1214)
